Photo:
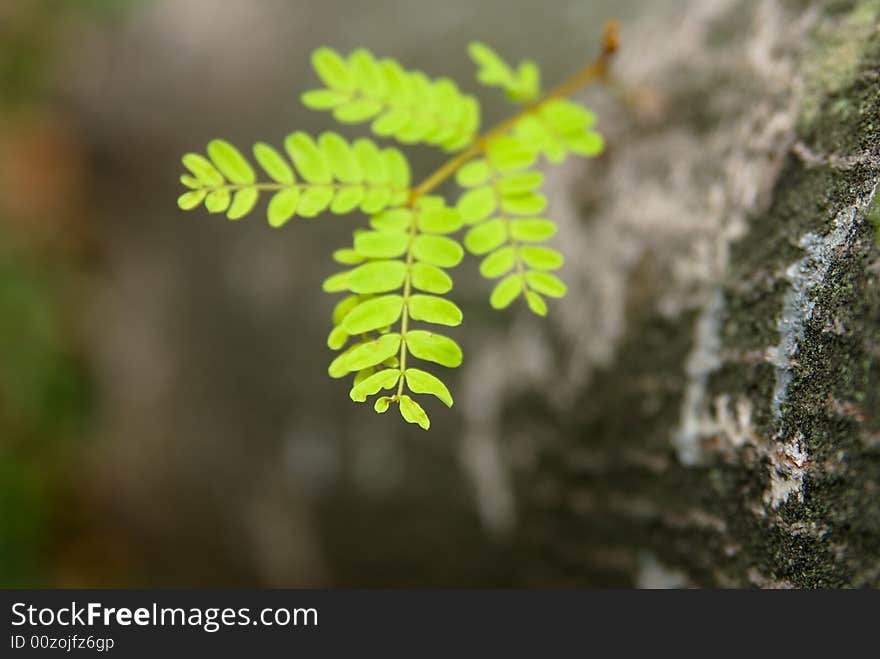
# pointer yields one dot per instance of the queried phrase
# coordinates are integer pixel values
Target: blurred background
(165, 417)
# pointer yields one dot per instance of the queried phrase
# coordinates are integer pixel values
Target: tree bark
(705, 412)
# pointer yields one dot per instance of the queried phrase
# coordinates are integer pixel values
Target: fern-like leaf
(405, 105)
(314, 176)
(522, 84)
(398, 278)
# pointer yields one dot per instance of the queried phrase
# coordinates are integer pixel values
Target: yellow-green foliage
(395, 278)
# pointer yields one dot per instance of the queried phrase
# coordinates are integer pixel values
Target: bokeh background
(165, 417)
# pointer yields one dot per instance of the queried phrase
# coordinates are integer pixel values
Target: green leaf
(308, 158)
(273, 163)
(203, 170)
(373, 314)
(546, 283)
(189, 200)
(323, 99)
(362, 375)
(337, 338)
(371, 162)
(509, 154)
(588, 144)
(422, 382)
(340, 157)
(498, 262)
(243, 203)
(477, 204)
(282, 206)
(398, 168)
(332, 69)
(519, 183)
(432, 309)
(394, 219)
(430, 279)
(524, 204)
(492, 69)
(506, 291)
(376, 199)
(367, 74)
(381, 244)
(412, 412)
(473, 173)
(347, 198)
(373, 352)
(347, 256)
(439, 220)
(391, 122)
(532, 230)
(567, 117)
(536, 303)
(433, 348)
(377, 277)
(339, 366)
(382, 403)
(314, 201)
(541, 258)
(218, 201)
(437, 250)
(357, 111)
(190, 181)
(485, 237)
(385, 379)
(231, 163)
(336, 283)
(345, 305)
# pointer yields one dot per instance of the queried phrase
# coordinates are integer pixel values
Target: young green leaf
(412, 412)
(332, 69)
(373, 352)
(506, 291)
(498, 262)
(282, 206)
(477, 204)
(231, 163)
(308, 158)
(486, 237)
(313, 201)
(473, 173)
(337, 338)
(422, 382)
(536, 303)
(541, 258)
(381, 244)
(434, 348)
(218, 201)
(243, 203)
(373, 314)
(384, 379)
(437, 250)
(439, 220)
(532, 230)
(430, 279)
(377, 277)
(203, 170)
(393, 219)
(273, 163)
(339, 156)
(546, 283)
(432, 309)
(189, 200)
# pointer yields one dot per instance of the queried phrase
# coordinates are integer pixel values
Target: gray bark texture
(705, 410)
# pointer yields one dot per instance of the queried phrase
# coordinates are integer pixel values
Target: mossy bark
(730, 436)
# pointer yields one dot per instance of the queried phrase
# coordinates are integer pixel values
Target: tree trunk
(703, 409)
